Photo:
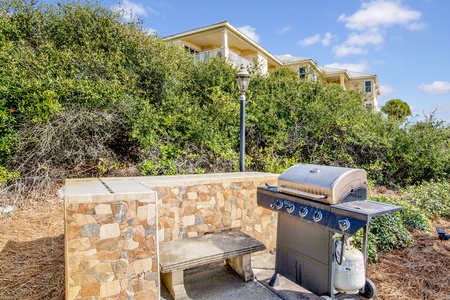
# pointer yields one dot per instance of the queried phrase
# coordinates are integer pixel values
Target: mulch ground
(32, 260)
(32, 253)
(420, 272)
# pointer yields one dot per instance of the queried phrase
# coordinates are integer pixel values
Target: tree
(396, 109)
(83, 93)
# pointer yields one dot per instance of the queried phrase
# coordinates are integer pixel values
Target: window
(369, 106)
(206, 55)
(302, 72)
(194, 52)
(368, 86)
(190, 50)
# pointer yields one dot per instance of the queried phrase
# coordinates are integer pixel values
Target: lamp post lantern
(242, 79)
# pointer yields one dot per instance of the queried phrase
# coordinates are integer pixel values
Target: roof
(202, 35)
(288, 59)
(355, 75)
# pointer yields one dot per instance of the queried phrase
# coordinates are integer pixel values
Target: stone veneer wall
(110, 240)
(189, 207)
(114, 225)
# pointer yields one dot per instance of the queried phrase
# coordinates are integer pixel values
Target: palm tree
(396, 109)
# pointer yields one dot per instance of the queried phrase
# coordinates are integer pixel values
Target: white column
(342, 81)
(225, 44)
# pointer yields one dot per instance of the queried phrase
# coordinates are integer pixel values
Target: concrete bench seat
(233, 246)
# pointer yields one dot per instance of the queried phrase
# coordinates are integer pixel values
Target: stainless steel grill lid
(321, 183)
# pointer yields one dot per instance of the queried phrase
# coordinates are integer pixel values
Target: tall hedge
(85, 93)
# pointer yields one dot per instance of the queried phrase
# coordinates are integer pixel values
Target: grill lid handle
(301, 193)
(314, 170)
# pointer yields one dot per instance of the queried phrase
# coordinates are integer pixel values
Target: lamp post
(242, 79)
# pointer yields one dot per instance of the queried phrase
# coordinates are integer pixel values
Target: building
(225, 41)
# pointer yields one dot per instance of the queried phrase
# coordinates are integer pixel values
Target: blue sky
(405, 42)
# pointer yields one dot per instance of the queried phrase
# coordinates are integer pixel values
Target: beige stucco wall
(359, 86)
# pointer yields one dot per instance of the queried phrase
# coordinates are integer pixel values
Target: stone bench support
(233, 246)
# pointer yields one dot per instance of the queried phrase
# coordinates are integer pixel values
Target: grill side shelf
(358, 213)
(365, 208)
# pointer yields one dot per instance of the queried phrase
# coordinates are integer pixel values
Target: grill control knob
(278, 204)
(290, 207)
(303, 212)
(344, 224)
(317, 216)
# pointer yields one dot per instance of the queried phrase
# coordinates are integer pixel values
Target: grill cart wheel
(369, 289)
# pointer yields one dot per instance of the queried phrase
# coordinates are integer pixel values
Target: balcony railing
(233, 58)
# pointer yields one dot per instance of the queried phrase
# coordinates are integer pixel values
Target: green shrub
(412, 216)
(372, 253)
(420, 151)
(5, 175)
(390, 233)
(147, 104)
(432, 198)
(386, 232)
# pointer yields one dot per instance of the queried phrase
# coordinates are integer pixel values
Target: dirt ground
(32, 259)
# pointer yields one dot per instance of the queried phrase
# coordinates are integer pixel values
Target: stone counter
(113, 226)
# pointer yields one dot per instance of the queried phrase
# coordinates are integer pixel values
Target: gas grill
(314, 204)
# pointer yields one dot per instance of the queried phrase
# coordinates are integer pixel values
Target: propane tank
(349, 276)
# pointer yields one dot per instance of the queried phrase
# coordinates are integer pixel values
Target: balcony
(233, 58)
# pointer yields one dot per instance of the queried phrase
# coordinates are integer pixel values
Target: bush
(372, 252)
(82, 92)
(147, 104)
(420, 152)
(432, 198)
(421, 204)
(386, 232)
(5, 176)
(390, 233)
(412, 216)
(74, 143)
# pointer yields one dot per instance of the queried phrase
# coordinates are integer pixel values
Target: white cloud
(370, 23)
(344, 50)
(436, 88)
(416, 26)
(358, 42)
(327, 39)
(310, 40)
(381, 13)
(386, 89)
(361, 67)
(373, 37)
(386, 92)
(250, 32)
(284, 30)
(132, 10)
(316, 39)
(443, 112)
